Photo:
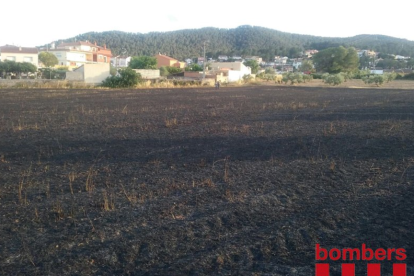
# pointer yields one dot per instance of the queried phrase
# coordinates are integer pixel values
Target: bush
(126, 78)
(390, 77)
(408, 76)
(247, 78)
(317, 76)
(334, 79)
(293, 78)
(377, 79)
(361, 74)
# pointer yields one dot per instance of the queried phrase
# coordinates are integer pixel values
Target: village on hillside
(88, 62)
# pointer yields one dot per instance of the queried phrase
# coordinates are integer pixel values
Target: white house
(19, 54)
(281, 60)
(256, 58)
(235, 70)
(93, 73)
(74, 54)
(120, 61)
(222, 58)
(376, 71)
(297, 63)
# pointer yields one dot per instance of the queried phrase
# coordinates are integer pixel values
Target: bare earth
(236, 181)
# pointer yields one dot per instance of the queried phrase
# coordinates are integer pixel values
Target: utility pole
(204, 61)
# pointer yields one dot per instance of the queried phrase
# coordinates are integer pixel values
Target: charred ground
(198, 181)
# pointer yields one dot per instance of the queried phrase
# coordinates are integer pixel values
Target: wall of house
(195, 75)
(162, 61)
(235, 75)
(74, 76)
(95, 73)
(21, 57)
(148, 74)
(179, 64)
(61, 56)
(76, 56)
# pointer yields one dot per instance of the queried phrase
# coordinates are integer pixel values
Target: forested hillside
(244, 40)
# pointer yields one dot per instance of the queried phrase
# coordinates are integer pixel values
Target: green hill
(243, 40)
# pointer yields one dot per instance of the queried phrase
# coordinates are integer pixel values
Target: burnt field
(203, 182)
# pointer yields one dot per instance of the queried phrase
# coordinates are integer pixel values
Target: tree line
(242, 41)
(15, 69)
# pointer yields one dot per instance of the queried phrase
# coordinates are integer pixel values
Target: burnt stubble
(241, 180)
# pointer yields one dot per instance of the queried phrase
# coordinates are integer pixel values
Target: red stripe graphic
(374, 270)
(348, 269)
(399, 270)
(322, 270)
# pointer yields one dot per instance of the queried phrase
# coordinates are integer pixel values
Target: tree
(293, 78)
(333, 79)
(377, 79)
(253, 64)
(26, 67)
(127, 78)
(307, 66)
(163, 71)
(295, 52)
(48, 59)
(143, 62)
(194, 67)
(335, 60)
(16, 67)
(173, 70)
(113, 71)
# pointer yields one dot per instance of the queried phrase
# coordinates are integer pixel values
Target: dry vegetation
(243, 180)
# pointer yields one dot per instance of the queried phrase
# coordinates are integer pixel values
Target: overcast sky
(32, 23)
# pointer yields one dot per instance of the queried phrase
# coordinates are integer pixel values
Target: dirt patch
(396, 84)
(242, 180)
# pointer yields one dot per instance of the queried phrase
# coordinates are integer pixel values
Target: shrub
(408, 76)
(377, 79)
(361, 73)
(317, 76)
(126, 78)
(334, 79)
(247, 78)
(390, 77)
(293, 78)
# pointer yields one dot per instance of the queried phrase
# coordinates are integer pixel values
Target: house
(75, 54)
(236, 58)
(281, 60)
(367, 53)
(256, 58)
(399, 71)
(222, 58)
(376, 71)
(287, 68)
(200, 61)
(163, 60)
(398, 57)
(296, 63)
(233, 70)
(93, 73)
(19, 54)
(120, 61)
(310, 53)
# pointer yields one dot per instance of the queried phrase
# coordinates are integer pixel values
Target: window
(28, 59)
(11, 58)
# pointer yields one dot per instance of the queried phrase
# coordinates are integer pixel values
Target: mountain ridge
(243, 40)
